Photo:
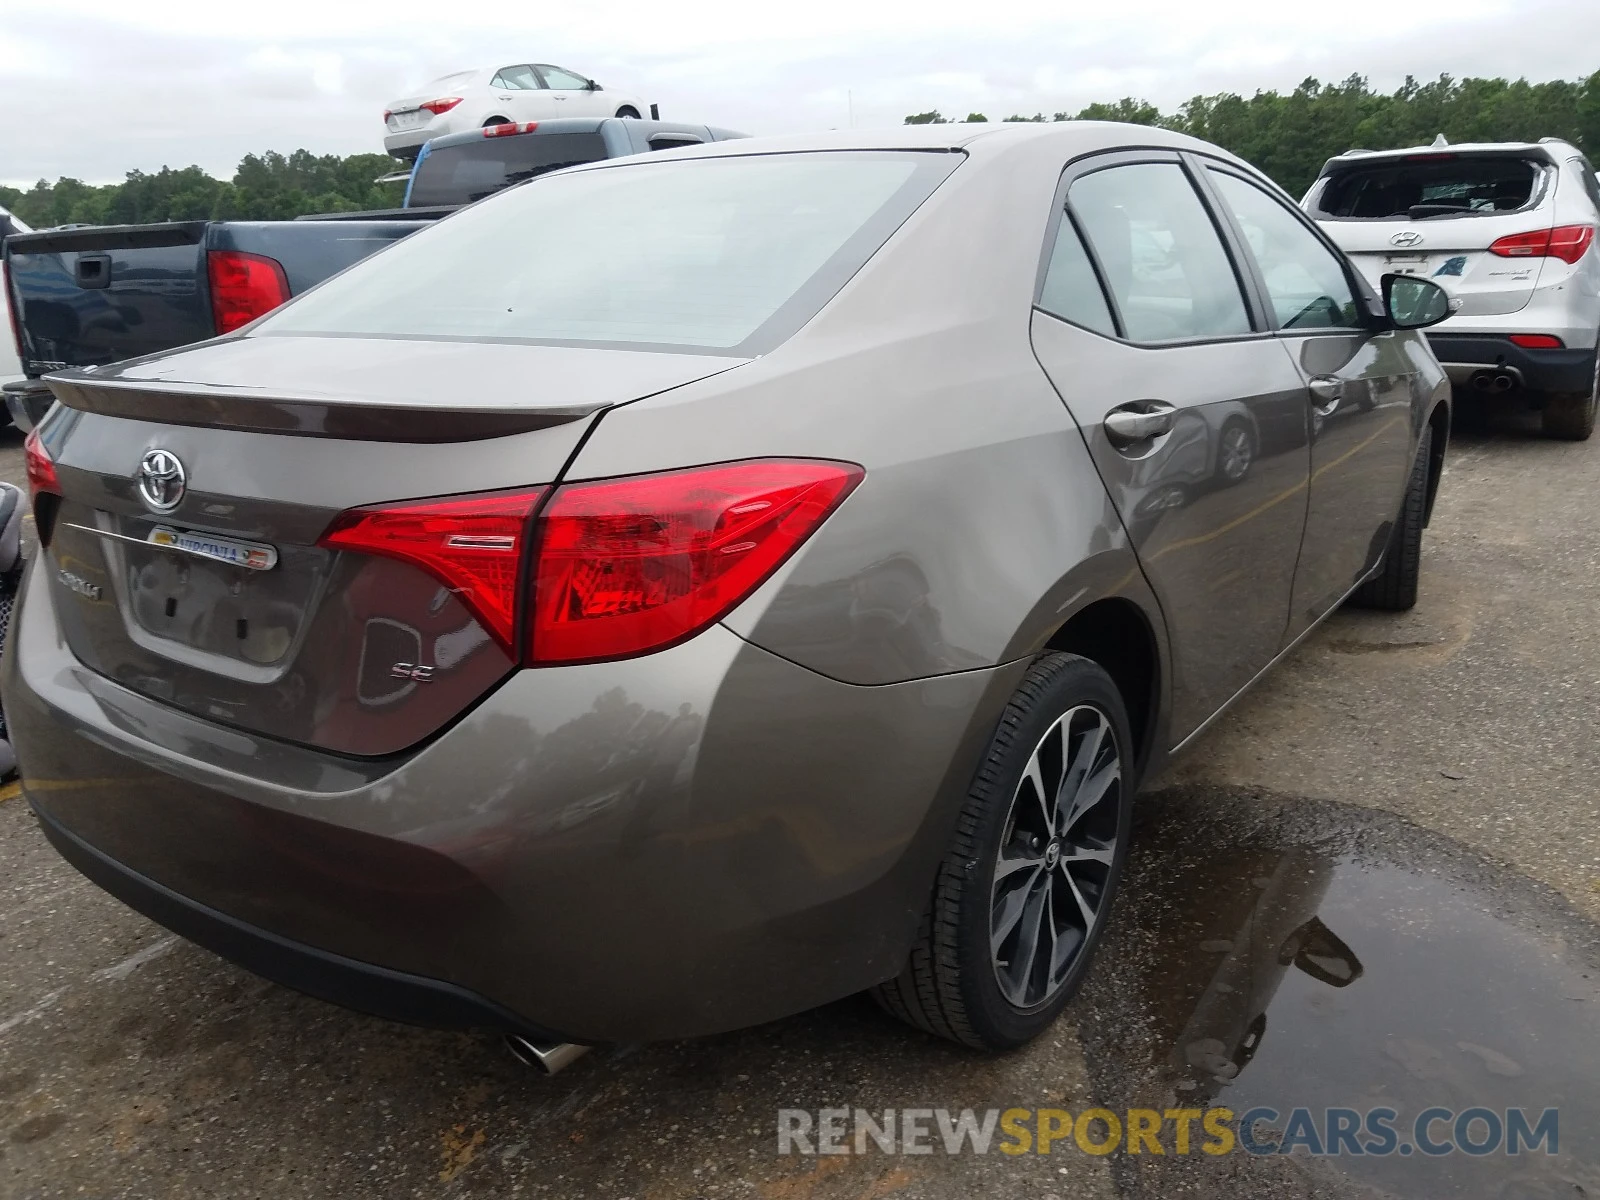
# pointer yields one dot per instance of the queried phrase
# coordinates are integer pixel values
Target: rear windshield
(472, 170)
(1431, 186)
(699, 254)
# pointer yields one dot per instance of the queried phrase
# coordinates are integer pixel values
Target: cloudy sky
(95, 88)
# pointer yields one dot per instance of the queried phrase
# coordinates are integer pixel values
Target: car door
(520, 94)
(1359, 381)
(572, 94)
(1195, 417)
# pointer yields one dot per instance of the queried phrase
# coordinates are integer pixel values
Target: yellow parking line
(10, 792)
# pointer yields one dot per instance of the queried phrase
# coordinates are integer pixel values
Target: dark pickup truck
(96, 295)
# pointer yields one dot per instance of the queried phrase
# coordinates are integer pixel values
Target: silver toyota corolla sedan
(685, 590)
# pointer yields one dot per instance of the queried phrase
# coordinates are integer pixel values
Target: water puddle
(1325, 957)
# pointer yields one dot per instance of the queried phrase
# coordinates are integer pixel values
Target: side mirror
(594, 87)
(1413, 302)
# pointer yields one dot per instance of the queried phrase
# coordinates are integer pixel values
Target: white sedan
(495, 96)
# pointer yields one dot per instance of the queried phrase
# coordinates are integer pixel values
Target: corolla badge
(1406, 237)
(161, 480)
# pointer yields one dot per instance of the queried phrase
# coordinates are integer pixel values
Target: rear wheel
(1025, 889)
(497, 121)
(1570, 415)
(628, 110)
(1394, 587)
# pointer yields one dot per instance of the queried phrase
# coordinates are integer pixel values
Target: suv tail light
(442, 105)
(620, 567)
(243, 287)
(1569, 243)
(471, 544)
(507, 128)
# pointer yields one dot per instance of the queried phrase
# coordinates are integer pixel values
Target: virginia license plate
(254, 555)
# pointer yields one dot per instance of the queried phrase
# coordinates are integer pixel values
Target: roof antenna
(1441, 140)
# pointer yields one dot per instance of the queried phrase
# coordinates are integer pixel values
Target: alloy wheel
(1053, 868)
(1236, 453)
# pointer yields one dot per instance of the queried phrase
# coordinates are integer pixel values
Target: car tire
(628, 111)
(497, 121)
(1394, 587)
(1006, 866)
(1570, 415)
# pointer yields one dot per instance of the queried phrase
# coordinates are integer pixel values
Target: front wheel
(1394, 587)
(629, 111)
(1023, 894)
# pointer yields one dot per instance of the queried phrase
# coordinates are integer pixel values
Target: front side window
(564, 81)
(1160, 253)
(517, 79)
(1306, 282)
(711, 254)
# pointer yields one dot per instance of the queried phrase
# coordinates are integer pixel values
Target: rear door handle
(1139, 421)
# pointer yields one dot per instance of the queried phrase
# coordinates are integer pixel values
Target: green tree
(973, 118)
(1290, 135)
(931, 117)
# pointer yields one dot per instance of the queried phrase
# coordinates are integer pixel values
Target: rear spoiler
(301, 416)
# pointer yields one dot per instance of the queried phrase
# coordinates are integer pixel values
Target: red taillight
(507, 128)
(442, 105)
(41, 470)
(12, 306)
(243, 287)
(1536, 341)
(472, 544)
(626, 566)
(387, 114)
(1569, 243)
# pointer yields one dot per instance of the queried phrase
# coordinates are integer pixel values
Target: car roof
(581, 125)
(1049, 139)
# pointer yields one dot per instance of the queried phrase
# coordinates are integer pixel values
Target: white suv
(1509, 230)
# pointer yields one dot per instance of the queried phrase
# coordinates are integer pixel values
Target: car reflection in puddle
(1318, 956)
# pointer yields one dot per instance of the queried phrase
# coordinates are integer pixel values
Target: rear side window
(1432, 185)
(1160, 253)
(516, 79)
(1305, 281)
(711, 254)
(1071, 291)
(472, 170)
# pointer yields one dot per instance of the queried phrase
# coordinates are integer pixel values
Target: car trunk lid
(225, 603)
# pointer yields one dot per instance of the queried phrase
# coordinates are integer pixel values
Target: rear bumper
(361, 986)
(707, 838)
(1463, 355)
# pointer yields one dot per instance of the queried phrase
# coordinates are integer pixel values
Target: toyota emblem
(161, 480)
(1408, 237)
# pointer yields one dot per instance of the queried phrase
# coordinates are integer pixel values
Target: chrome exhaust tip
(548, 1057)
